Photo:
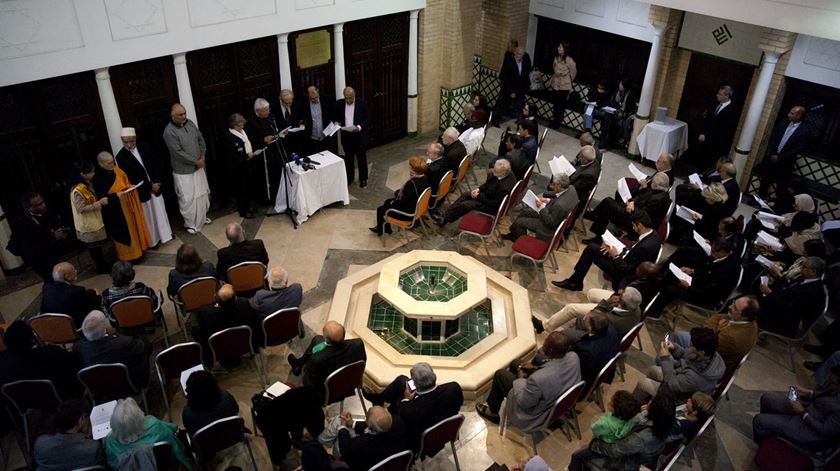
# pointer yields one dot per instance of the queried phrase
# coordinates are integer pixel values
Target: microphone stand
(284, 175)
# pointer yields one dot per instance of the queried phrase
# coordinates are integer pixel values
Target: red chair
(563, 411)
(481, 225)
(526, 179)
(169, 364)
(626, 343)
(30, 394)
(233, 343)
(109, 381)
(539, 148)
(778, 454)
(280, 327)
(57, 329)
(396, 462)
(191, 296)
(437, 436)
(217, 436)
(538, 250)
(604, 376)
(247, 276)
(345, 382)
(516, 193)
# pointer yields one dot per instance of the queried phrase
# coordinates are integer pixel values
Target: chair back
(170, 362)
(217, 436)
(281, 326)
(516, 192)
(500, 212)
(542, 138)
(630, 337)
(343, 382)
(703, 428)
(438, 435)
(463, 168)
(649, 304)
(443, 187)
(54, 328)
(422, 204)
(31, 394)
(198, 292)
(562, 228)
(247, 276)
(605, 375)
(728, 379)
(164, 457)
(231, 343)
(564, 403)
(396, 462)
(663, 230)
(526, 179)
(107, 382)
(134, 311)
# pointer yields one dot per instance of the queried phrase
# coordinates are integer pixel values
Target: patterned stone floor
(336, 242)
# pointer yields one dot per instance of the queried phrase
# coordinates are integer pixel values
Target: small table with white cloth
(311, 190)
(658, 137)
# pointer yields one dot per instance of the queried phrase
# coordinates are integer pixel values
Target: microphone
(274, 125)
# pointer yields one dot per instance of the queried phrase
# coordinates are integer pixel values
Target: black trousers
(592, 255)
(355, 149)
(559, 99)
(607, 211)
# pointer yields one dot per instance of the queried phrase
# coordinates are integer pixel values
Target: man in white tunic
(186, 152)
(138, 162)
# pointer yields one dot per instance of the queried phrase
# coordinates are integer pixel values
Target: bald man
(379, 437)
(788, 140)
(61, 295)
(352, 113)
(240, 250)
(326, 353)
(186, 153)
(228, 311)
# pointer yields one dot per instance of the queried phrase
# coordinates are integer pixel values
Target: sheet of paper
(297, 129)
(695, 178)
(765, 280)
(348, 128)
(770, 221)
(613, 241)
(132, 188)
(331, 129)
(530, 200)
(608, 109)
(589, 109)
(277, 389)
(637, 174)
(687, 213)
(702, 243)
(679, 273)
(258, 152)
(764, 261)
(623, 190)
(769, 241)
(763, 204)
(100, 419)
(185, 375)
(559, 165)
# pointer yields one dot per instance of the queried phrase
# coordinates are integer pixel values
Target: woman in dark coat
(239, 151)
(405, 199)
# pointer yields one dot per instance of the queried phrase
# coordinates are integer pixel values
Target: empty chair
(30, 394)
(344, 382)
(171, 362)
(626, 343)
(562, 412)
(280, 327)
(139, 314)
(247, 276)
(192, 295)
(595, 389)
(396, 462)
(109, 381)
(54, 328)
(233, 343)
(437, 436)
(482, 225)
(218, 436)
(415, 217)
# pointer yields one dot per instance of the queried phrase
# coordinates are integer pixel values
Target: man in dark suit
(325, 354)
(41, 237)
(586, 173)
(289, 115)
(228, 311)
(785, 305)
(718, 128)
(454, 150)
(379, 437)
(239, 250)
(553, 212)
(423, 406)
(486, 198)
(598, 346)
(261, 130)
(654, 200)
(96, 347)
(317, 113)
(63, 296)
(437, 167)
(616, 264)
(514, 83)
(352, 111)
(786, 143)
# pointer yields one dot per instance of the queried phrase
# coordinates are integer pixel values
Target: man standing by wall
(186, 151)
(352, 113)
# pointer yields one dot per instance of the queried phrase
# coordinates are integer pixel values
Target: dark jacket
(194, 420)
(245, 251)
(555, 212)
(178, 279)
(585, 178)
(326, 104)
(331, 358)
(217, 317)
(268, 301)
(360, 118)
(512, 80)
(364, 450)
(436, 170)
(406, 197)
(48, 362)
(639, 447)
(235, 152)
(492, 191)
(714, 280)
(73, 300)
(786, 307)
(60, 451)
(720, 129)
(645, 250)
(595, 351)
(733, 195)
(454, 153)
(429, 408)
(117, 348)
(794, 146)
(147, 173)
(653, 202)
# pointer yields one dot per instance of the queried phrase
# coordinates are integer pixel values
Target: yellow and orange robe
(124, 219)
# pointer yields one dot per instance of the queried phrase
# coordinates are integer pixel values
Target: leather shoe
(296, 366)
(375, 230)
(363, 183)
(812, 365)
(538, 325)
(484, 411)
(568, 284)
(509, 236)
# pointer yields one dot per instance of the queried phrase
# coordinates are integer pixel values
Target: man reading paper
(550, 214)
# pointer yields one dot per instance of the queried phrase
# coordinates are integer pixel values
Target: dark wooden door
(226, 80)
(706, 74)
(321, 75)
(45, 128)
(376, 58)
(145, 92)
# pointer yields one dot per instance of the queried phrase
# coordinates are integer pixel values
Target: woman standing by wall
(565, 71)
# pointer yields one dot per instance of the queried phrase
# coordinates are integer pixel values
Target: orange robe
(134, 219)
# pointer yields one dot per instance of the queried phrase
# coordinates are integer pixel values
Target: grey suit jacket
(533, 397)
(557, 210)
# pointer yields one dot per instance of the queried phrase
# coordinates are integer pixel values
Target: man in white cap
(138, 162)
(186, 153)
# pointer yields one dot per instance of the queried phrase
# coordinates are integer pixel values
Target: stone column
(412, 73)
(182, 77)
(646, 96)
(756, 107)
(531, 38)
(283, 61)
(340, 80)
(109, 108)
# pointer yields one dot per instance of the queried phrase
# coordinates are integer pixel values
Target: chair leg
(576, 423)
(533, 442)
(455, 455)
(145, 403)
(405, 234)
(599, 398)
(382, 236)
(554, 265)
(639, 340)
(250, 452)
(362, 400)
(620, 367)
(486, 248)
(166, 402)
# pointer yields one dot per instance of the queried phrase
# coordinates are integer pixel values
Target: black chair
(562, 412)
(171, 362)
(396, 462)
(218, 436)
(30, 394)
(437, 436)
(109, 381)
(233, 343)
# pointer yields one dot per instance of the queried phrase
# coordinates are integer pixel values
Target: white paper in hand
(613, 241)
(679, 273)
(764, 261)
(702, 243)
(559, 165)
(608, 109)
(762, 203)
(623, 190)
(770, 221)
(765, 280)
(687, 213)
(100, 419)
(637, 174)
(695, 178)
(769, 241)
(185, 375)
(530, 200)
(331, 129)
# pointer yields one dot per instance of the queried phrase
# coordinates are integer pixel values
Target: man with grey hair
(786, 305)
(186, 153)
(419, 400)
(369, 442)
(718, 128)
(437, 166)
(550, 214)
(261, 130)
(62, 294)
(351, 113)
(97, 346)
(622, 310)
(240, 250)
(486, 198)
(514, 83)
(453, 149)
(289, 116)
(279, 295)
(587, 171)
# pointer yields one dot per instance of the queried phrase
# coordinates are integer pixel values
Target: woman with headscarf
(405, 199)
(798, 227)
(87, 213)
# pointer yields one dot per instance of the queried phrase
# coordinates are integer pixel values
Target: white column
(531, 39)
(285, 64)
(109, 108)
(648, 85)
(759, 96)
(182, 77)
(338, 40)
(412, 72)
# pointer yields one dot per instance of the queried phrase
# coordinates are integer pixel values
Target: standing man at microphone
(352, 113)
(261, 169)
(316, 114)
(289, 116)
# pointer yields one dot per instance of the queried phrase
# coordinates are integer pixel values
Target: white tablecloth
(311, 190)
(656, 138)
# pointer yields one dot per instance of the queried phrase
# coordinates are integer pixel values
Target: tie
(718, 109)
(287, 116)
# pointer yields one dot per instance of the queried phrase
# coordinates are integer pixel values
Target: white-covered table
(656, 138)
(311, 190)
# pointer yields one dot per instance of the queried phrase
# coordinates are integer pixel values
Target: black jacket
(406, 198)
(436, 170)
(331, 358)
(453, 154)
(73, 300)
(117, 348)
(366, 449)
(360, 118)
(492, 191)
(585, 178)
(795, 144)
(428, 409)
(326, 104)
(786, 307)
(147, 173)
(48, 362)
(713, 281)
(245, 251)
(733, 193)
(720, 129)
(653, 202)
(645, 250)
(595, 351)
(512, 80)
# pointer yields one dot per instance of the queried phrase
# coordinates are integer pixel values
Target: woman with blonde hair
(405, 199)
(709, 211)
(131, 428)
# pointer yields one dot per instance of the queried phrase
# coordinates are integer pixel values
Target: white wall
(48, 38)
(623, 17)
(815, 60)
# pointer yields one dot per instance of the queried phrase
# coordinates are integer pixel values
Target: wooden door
(45, 128)
(376, 58)
(321, 75)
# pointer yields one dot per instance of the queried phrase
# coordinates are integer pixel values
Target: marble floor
(336, 241)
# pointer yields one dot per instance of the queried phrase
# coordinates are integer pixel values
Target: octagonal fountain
(461, 316)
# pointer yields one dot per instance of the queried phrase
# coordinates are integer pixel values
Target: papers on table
(687, 213)
(762, 203)
(276, 390)
(530, 200)
(702, 243)
(613, 241)
(559, 165)
(608, 109)
(100, 419)
(769, 241)
(331, 129)
(770, 221)
(764, 261)
(679, 273)
(185, 375)
(695, 178)
(637, 174)
(623, 190)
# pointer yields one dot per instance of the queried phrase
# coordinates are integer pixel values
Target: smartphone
(792, 395)
(411, 386)
(667, 337)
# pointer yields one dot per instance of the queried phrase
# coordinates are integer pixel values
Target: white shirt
(136, 155)
(722, 106)
(349, 110)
